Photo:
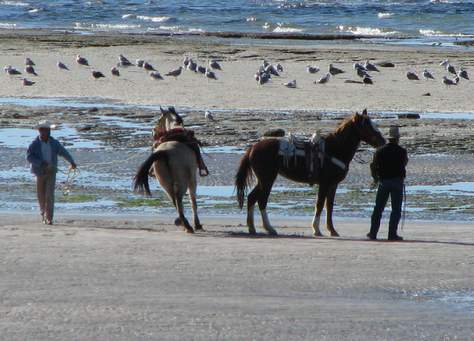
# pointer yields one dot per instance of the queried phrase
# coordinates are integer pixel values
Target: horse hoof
(252, 231)
(177, 221)
(334, 234)
(190, 230)
(199, 227)
(317, 234)
(272, 233)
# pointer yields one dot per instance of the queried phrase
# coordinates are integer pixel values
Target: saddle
(303, 152)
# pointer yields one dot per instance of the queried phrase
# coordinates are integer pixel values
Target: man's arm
(65, 154)
(31, 157)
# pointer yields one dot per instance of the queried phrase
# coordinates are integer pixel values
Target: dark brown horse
(264, 160)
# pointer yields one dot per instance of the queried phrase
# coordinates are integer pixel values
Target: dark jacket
(389, 162)
(35, 156)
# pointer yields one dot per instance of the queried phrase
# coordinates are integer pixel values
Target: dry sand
(236, 87)
(111, 278)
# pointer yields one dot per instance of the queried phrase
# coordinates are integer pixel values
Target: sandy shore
(123, 278)
(236, 87)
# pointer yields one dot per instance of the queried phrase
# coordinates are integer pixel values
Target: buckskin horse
(174, 166)
(264, 160)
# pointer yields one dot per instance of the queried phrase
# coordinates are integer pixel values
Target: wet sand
(122, 278)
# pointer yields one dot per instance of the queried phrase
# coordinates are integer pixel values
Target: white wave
(266, 26)
(129, 16)
(367, 31)
(106, 26)
(251, 18)
(282, 29)
(433, 33)
(153, 19)
(14, 3)
(168, 28)
(195, 29)
(34, 10)
(384, 15)
(7, 25)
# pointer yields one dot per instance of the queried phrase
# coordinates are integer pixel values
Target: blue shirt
(35, 156)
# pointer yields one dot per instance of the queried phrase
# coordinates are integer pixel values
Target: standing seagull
(324, 79)
(367, 80)
(427, 75)
(192, 66)
(28, 61)
(62, 66)
(463, 74)
(123, 61)
(334, 70)
(201, 69)
(97, 74)
(210, 74)
(215, 65)
(208, 116)
(81, 60)
(279, 67)
(370, 67)
(114, 71)
(139, 62)
(450, 68)
(361, 73)
(444, 62)
(291, 85)
(31, 70)
(147, 66)
(412, 76)
(175, 73)
(448, 82)
(27, 82)
(11, 70)
(312, 69)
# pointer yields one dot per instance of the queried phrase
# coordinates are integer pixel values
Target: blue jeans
(394, 188)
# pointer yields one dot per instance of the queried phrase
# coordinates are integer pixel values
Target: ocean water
(418, 19)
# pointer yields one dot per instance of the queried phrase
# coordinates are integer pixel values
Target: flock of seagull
(363, 70)
(188, 64)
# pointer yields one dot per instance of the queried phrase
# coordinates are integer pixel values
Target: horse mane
(343, 125)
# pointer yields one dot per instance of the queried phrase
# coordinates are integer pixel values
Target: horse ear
(364, 112)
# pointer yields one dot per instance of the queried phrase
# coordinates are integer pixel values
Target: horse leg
(322, 192)
(179, 207)
(251, 200)
(265, 189)
(192, 196)
(329, 208)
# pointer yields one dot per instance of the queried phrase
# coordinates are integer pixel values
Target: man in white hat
(43, 156)
(388, 169)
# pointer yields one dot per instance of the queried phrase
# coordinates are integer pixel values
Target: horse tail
(242, 178)
(140, 182)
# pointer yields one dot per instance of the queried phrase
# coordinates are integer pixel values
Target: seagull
(265, 63)
(334, 70)
(450, 68)
(367, 80)
(210, 74)
(11, 70)
(214, 64)
(97, 74)
(185, 61)
(175, 73)
(124, 61)
(279, 67)
(291, 85)
(463, 74)
(147, 66)
(358, 66)
(262, 77)
(114, 71)
(201, 69)
(27, 82)
(31, 70)
(324, 79)
(312, 69)
(155, 75)
(81, 60)
(139, 62)
(62, 66)
(370, 67)
(427, 74)
(444, 62)
(28, 61)
(271, 70)
(448, 82)
(192, 66)
(361, 73)
(208, 116)
(412, 76)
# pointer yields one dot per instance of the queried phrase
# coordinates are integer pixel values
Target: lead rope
(71, 176)
(404, 211)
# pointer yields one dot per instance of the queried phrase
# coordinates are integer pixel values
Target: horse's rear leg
(192, 197)
(264, 193)
(322, 192)
(329, 209)
(251, 201)
(179, 206)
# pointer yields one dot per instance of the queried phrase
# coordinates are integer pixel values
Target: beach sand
(236, 87)
(124, 278)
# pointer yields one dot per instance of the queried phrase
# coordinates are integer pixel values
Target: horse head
(168, 120)
(367, 130)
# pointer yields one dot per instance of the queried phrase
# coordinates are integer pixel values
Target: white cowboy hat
(45, 124)
(393, 132)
